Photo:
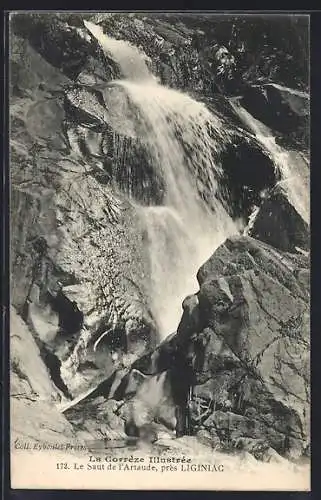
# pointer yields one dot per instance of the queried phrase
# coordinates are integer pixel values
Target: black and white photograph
(159, 250)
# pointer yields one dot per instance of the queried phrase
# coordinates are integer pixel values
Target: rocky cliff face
(81, 277)
(255, 306)
(73, 238)
(33, 393)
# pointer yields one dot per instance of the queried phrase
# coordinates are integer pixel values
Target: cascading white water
(183, 139)
(292, 166)
(131, 61)
(184, 232)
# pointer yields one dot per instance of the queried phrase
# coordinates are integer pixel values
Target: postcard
(159, 251)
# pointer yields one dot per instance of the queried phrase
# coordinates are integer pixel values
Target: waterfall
(292, 166)
(183, 139)
(182, 234)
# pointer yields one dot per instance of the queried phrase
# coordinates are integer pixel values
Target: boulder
(131, 411)
(283, 109)
(64, 46)
(251, 362)
(101, 420)
(279, 224)
(248, 171)
(34, 397)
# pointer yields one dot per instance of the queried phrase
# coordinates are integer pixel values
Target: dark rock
(64, 46)
(281, 108)
(191, 320)
(35, 71)
(248, 171)
(96, 128)
(86, 105)
(241, 254)
(280, 225)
